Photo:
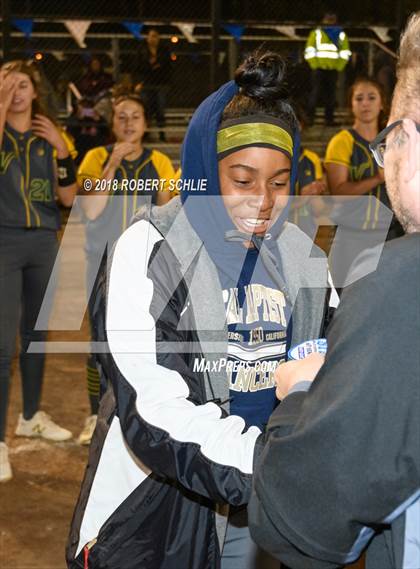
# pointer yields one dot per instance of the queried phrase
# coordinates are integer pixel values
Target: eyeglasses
(378, 146)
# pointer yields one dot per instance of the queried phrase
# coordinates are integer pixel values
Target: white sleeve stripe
(162, 393)
(334, 298)
(118, 474)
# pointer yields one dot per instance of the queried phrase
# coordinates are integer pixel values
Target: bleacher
(314, 138)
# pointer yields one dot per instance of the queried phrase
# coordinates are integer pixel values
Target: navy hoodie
(255, 295)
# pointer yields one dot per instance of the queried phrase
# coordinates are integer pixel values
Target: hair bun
(262, 76)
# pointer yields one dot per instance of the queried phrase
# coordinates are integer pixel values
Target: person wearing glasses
(321, 500)
(352, 172)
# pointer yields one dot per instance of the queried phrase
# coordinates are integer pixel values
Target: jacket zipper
(86, 551)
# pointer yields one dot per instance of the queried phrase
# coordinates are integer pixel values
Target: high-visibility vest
(322, 53)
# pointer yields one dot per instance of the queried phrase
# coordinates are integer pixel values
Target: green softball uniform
(28, 180)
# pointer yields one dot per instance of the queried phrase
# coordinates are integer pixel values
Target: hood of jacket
(205, 210)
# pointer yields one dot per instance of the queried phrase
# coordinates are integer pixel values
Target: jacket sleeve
(341, 462)
(344, 52)
(310, 53)
(176, 438)
(140, 60)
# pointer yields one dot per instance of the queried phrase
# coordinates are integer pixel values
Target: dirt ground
(37, 504)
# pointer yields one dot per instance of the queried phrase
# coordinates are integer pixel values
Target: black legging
(324, 84)
(26, 260)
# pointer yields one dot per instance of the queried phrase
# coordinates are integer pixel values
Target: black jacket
(165, 457)
(153, 75)
(341, 464)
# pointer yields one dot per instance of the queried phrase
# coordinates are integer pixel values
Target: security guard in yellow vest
(327, 52)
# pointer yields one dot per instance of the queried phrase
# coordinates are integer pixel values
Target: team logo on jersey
(5, 160)
(359, 172)
(259, 299)
(40, 152)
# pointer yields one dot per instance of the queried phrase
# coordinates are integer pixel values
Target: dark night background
(192, 61)
(356, 12)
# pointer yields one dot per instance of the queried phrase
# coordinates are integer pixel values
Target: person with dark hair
(153, 76)
(327, 52)
(339, 473)
(95, 82)
(87, 128)
(36, 166)
(205, 296)
(109, 210)
(352, 171)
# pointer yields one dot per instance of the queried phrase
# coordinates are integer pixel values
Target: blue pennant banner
(235, 30)
(135, 28)
(24, 25)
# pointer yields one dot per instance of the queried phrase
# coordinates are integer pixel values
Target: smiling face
(129, 123)
(24, 95)
(366, 102)
(255, 185)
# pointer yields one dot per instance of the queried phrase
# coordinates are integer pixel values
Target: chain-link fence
(84, 48)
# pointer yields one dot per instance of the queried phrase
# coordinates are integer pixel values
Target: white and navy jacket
(166, 457)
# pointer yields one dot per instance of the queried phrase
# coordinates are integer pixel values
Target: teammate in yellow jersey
(36, 167)
(309, 209)
(118, 179)
(352, 171)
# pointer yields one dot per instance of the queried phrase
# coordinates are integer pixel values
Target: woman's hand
(45, 128)
(287, 375)
(315, 188)
(8, 84)
(120, 151)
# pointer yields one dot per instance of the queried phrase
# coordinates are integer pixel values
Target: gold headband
(246, 134)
